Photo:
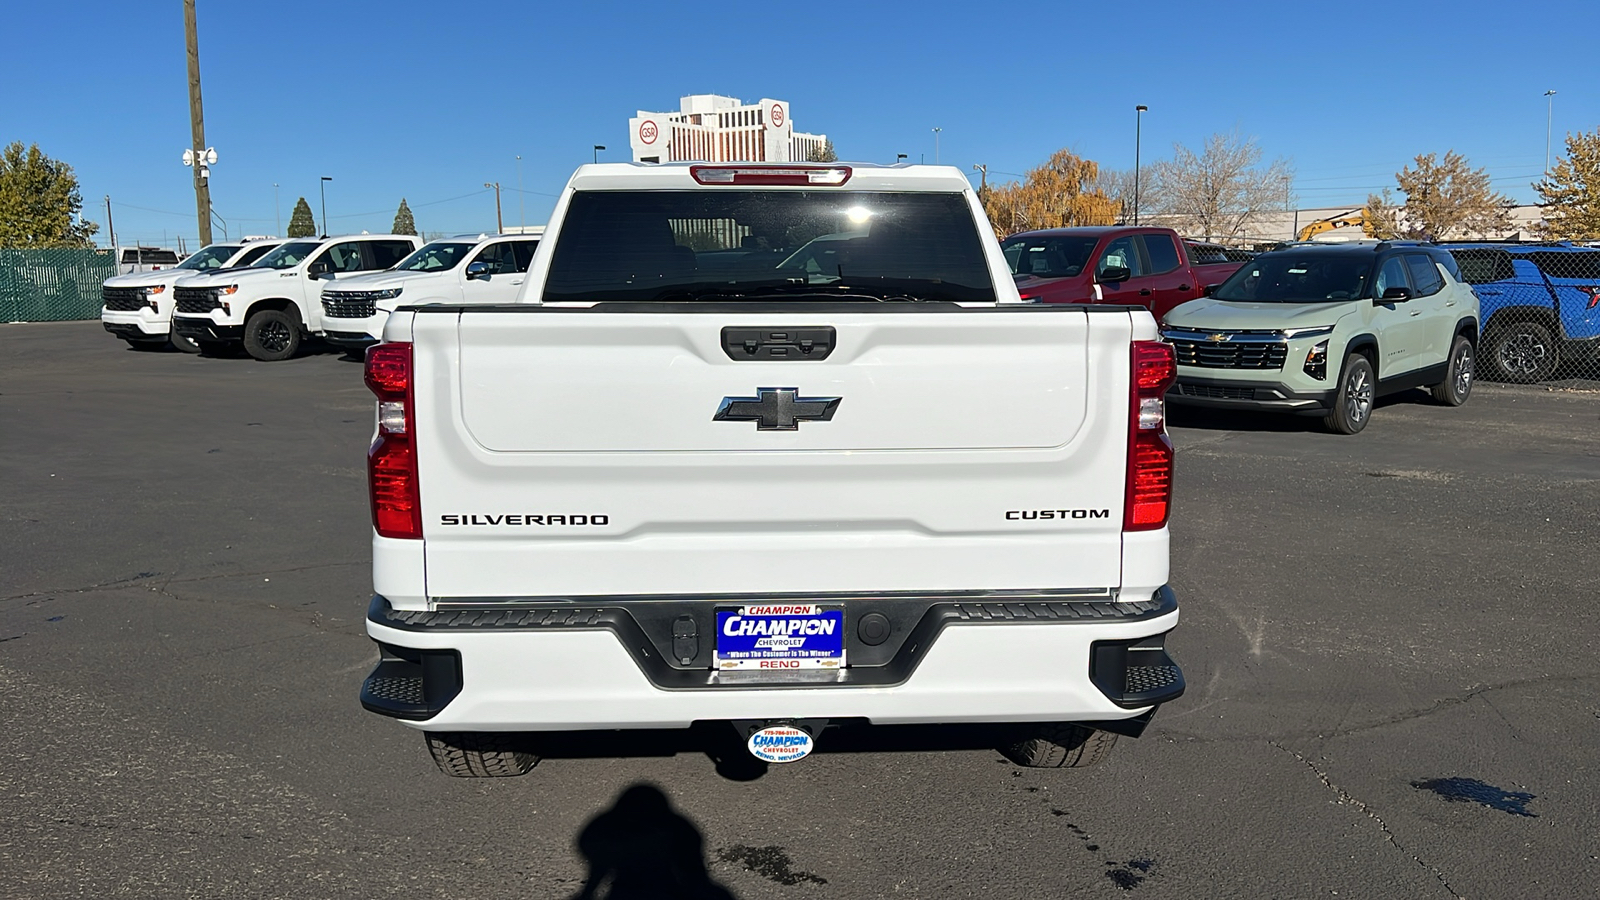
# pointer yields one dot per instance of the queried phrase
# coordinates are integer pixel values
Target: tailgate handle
(811, 342)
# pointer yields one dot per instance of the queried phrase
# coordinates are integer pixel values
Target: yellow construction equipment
(1356, 219)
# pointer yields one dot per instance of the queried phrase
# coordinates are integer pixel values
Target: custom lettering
(1030, 515)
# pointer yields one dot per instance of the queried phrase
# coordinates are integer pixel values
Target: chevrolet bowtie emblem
(1214, 338)
(776, 409)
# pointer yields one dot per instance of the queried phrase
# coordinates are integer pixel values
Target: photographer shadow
(643, 849)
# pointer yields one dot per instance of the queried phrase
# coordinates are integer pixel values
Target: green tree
(300, 222)
(1445, 199)
(39, 201)
(823, 153)
(403, 223)
(1570, 192)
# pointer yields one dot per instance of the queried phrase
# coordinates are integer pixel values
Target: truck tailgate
(577, 452)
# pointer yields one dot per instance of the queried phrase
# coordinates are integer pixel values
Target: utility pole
(110, 225)
(197, 126)
(499, 223)
(276, 209)
(936, 145)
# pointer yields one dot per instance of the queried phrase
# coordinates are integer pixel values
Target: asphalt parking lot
(1392, 644)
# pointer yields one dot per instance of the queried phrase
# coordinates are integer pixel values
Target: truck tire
(1358, 391)
(1457, 384)
(271, 335)
(1060, 745)
(479, 754)
(183, 343)
(1522, 353)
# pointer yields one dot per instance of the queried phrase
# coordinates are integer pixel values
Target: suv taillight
(392, 459)
(1150, 454)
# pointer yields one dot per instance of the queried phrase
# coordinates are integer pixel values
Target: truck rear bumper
(589, 668)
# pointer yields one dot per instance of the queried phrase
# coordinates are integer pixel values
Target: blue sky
(429, 100)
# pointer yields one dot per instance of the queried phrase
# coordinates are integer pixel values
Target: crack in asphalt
(1439, 705)
(1348, 799)
(119, 583)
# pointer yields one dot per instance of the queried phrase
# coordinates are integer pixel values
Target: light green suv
(1327, 329)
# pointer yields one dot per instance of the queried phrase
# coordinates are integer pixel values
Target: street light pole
(323, 187)
(522, 220)
(597, 149)
(936, 145)
(499, 223)
(110, 225)
(277, 211)
(1549, 117)
(899, 158)
(1138, 135)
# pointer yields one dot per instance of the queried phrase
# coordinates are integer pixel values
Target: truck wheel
(1522, 353)
(183, 343)
(1358, 389)
(479, 754)
(1457, 384)
(271, 335)
(1060, 745)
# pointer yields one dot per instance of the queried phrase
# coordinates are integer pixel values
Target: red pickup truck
(1136, 266)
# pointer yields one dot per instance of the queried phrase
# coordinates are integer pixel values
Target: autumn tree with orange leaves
(1057, 194)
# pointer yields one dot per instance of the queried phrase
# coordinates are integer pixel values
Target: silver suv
(1326, 329)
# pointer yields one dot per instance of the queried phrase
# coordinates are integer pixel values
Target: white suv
(138, 305)
(480, 268)
(273, 305)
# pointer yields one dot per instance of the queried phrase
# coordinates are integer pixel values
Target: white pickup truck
(138, 305)
(481, 268)
(773, 446)
(274, 304)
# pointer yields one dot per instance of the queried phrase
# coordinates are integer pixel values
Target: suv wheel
(1457, 384)
(272, 334)
(1523, 352)
(1358, 389)
(479, 754)
(1060, 745)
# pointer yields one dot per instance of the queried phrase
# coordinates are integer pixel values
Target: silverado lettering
(513, 519)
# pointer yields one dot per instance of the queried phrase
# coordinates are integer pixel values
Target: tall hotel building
(711, 128)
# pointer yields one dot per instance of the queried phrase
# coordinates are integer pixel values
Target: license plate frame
(779, 637)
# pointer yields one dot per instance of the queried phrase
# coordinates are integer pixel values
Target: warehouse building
(713, 128)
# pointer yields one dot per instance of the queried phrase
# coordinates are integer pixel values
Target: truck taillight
(392, 459)
(1150, 454)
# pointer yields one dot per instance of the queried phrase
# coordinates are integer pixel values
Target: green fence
(52, 285)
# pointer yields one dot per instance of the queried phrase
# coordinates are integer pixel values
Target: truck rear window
(673, 246)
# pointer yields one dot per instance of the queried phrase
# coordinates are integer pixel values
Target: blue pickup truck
(1540, 307)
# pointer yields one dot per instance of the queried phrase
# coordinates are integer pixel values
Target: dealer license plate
(779, 637)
